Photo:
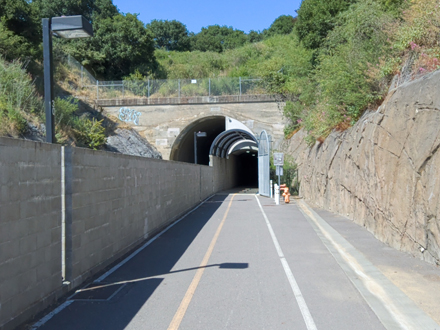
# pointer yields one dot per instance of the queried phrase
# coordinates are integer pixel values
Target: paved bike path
(220, 268)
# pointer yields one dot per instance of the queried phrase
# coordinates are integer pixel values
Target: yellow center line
(177, 319)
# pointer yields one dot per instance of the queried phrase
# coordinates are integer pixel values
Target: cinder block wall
(119, 200)
(30, 232)
(112, 203)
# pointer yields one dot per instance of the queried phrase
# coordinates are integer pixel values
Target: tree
(282, 25)
(121, 44)
(316, 18)
(19, 30)
(254, 36)
(171, 35)
(55, 8)
(217, 38)
(104, 9)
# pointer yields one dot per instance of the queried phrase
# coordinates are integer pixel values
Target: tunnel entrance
(183, 147)
(225, 138)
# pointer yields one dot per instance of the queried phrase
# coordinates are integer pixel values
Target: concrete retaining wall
(30, 232)
(112, 203)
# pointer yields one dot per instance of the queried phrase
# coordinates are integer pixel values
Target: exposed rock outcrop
(129, 142)
(384, 173)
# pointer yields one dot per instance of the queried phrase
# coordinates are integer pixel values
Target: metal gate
(263, 164)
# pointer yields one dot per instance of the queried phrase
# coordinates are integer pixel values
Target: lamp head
(71, 27)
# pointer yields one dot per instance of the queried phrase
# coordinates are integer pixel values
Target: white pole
(277, 194)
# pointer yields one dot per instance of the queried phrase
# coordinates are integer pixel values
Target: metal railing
(172, 90)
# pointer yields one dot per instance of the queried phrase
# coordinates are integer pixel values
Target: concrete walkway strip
(178, 317)
(394, 309)
(293, 284)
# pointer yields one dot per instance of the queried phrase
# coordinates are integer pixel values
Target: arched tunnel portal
(225, 138)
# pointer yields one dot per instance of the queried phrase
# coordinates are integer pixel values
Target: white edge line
(102, 277)
(51, 314)
(293, 284)
(123, 262)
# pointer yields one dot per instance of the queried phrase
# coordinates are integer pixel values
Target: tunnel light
(71, 27)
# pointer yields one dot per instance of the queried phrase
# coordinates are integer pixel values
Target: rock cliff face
(384, 173)
(129, 142)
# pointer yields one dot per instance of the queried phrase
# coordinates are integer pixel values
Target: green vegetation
(170, 35)
(337, 62)
(330, 64)
(19, 102)
(290, 174)
(86, 132)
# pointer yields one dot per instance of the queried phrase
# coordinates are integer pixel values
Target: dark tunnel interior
(183, 149)
(247, 168)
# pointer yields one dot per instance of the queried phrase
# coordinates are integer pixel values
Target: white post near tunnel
(277, 194)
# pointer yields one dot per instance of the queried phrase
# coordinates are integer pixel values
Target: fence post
(240, 89)
(97, 90)
(123, 88)
(82, 75)
(148, 95)
(209, 87)
(179, 91)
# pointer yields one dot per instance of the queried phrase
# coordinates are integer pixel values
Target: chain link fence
(170, 88)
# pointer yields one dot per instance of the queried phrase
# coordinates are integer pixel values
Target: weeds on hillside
(19, 101)
(86, 132)
(416, 35)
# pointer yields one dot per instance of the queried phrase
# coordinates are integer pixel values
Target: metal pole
(148, 89)
(240, 86)
(209, 87)
(195, 147)
(48, 80)
(97, 90)
(179, 88)
(123, 88)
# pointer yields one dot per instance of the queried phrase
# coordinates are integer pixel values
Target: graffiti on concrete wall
(129, 115)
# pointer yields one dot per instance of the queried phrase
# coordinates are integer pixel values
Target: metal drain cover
(97, 292)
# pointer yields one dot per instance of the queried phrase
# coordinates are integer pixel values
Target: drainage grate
(97, 292)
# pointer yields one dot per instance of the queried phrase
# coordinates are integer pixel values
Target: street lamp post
(197, 135)
(68, 27)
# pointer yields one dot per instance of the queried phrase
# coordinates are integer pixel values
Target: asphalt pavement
(239, 261)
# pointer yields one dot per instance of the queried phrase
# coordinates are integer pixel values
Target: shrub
(64, 110)
(343, 88)
(415, 36)
(90, 133)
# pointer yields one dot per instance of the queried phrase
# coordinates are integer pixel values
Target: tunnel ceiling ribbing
(225, 140)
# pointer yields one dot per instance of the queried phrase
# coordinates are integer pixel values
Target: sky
(242, 15)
